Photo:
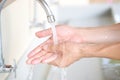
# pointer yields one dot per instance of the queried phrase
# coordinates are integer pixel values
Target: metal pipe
(50, 16)
(3, 68)
(1, 52)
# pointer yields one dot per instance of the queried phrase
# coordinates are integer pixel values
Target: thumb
(44, 33)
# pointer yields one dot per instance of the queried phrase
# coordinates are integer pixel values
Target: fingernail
(50, 59)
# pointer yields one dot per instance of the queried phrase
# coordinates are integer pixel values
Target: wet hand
(66, 37)
(61, 55)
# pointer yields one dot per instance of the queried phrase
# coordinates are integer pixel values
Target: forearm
(106, 34)
(111, 51)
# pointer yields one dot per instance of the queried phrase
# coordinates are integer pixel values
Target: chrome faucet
(3, 67)
(50, 16)
(1, 55)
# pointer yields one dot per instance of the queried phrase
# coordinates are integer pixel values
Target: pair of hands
(67, 51)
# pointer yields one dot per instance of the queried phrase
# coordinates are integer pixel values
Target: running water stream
(62, 72)
(55, 73)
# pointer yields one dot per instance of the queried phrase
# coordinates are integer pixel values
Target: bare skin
(77, 43)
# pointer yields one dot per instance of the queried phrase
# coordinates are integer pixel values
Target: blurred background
(20, 19)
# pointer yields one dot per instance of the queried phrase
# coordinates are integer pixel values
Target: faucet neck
(50, 16)
(2, 2)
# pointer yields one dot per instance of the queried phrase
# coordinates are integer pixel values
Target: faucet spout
(50, 16)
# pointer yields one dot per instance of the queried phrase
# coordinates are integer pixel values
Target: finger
(38, 48)
(41, 59)
(36, 61)
(34, 52)
(44, 33)
(38, 55)
(49, 58)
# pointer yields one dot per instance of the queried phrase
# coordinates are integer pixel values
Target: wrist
(91, 35)
(83, 35)
(94, 50)
(99, 34)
